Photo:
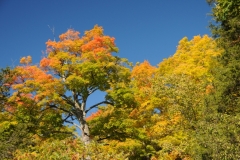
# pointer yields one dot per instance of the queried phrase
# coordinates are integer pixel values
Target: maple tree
(179, 88)
(21, 119)
(73, 69)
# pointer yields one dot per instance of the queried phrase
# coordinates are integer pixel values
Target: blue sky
(144, 29)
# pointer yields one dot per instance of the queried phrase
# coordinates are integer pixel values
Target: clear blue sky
(144, 29)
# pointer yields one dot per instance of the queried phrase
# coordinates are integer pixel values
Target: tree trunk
(84, 127)
(85, 131)
(81, 116)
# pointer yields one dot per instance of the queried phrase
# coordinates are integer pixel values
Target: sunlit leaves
(142, 75)
(68, 149)
(26, 60)
(193, 58)
(178, 90)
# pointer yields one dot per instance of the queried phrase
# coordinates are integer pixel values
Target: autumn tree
(170, 101)
(13, 133)
(179, 88)
(72, 70)
(22, 122)
(6, 145)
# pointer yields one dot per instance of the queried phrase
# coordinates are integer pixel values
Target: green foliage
(5, 76)
(21, 119)
(218, 134)
(12, 133)
(12, 136)
(68, 149)
(227, 33)
(20, 128)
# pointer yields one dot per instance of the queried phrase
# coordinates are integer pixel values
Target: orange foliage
(94, 115)
(26, 60)
(10, 108)
(143, 74)
(30, 79)
(209, 89)
(92, 46)
(70, 34)
(98, 42)
(44, 62)
(66, 41)
(33, 72)
(134, 113)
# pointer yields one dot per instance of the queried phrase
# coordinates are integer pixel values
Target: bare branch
(92, 91)
(100, 139)
(65, 98)
(60, 108)
(73, 124)
(94, 106)
(69, 115)
(52, 29)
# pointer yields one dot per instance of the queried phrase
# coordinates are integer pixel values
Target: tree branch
(94, 106)
(92, 91)
(100, 139)
(67, 111)
(73, 124)
(69, 115)
(65, 98)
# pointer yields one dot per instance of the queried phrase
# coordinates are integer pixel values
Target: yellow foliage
(26, 60)
(192, 58)
(143, 74)
(209, 89)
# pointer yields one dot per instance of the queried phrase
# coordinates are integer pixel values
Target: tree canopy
(185, 108)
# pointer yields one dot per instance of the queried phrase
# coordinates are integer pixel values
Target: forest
(185, 108)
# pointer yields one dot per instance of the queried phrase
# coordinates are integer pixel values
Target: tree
(12, 134)
(6, 145)
(226, 32)
(4, 86)
(73, 69)
(224, 102)
(170, 105)
(21, 120)
(179, 88)
(125, 128)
